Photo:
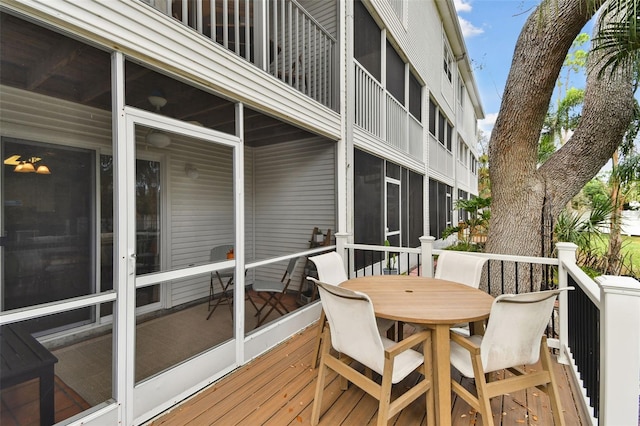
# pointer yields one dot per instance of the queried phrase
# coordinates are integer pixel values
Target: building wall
(294, 186)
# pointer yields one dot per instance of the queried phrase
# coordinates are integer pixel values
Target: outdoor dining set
(456, 324)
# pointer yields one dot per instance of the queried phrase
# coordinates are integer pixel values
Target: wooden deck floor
(278, 389)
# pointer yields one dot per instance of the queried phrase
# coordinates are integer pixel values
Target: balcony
(381, 115)
(279, 37)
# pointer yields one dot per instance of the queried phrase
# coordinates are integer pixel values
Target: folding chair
(272, 292)
(225, 278)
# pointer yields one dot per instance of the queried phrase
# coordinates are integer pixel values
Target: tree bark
(520, 189)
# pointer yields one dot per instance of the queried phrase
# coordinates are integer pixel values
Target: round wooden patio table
(434, 303)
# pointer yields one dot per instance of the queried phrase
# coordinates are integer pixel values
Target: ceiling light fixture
(157, 138)
(27, 166)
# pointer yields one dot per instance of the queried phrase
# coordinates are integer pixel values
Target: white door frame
(157, 393)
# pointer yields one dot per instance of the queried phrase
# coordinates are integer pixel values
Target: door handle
(132, 264)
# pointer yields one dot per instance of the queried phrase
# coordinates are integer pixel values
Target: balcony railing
(594, 330)
(380, 114)
(281, 38)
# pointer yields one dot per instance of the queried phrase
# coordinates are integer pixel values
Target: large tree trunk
(520, 188)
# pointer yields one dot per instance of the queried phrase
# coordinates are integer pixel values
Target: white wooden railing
(369, 98)
(380, 114)
(280, 37)
(396, 124)
(416, 131)
(615, 328)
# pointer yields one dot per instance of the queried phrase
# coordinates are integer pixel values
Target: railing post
(426, 245)
(619, 349)
(342, 238)
(261, 39)
(566, 254)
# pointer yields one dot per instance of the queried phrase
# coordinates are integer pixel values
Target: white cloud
(462, 6)
(487, 123)
(468, 29)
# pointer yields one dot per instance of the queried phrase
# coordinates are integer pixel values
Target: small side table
(23, 358)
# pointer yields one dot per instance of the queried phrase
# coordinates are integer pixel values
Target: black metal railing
(584, 341)
(375, 262)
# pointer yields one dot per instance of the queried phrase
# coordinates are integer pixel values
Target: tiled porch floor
(278, 389)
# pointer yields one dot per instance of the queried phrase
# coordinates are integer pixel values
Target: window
(441, 128)
(440, 207)
(444, 130)
(370, 204)
(462, 213)
(461, 91)
(415, 97)
(463, 152)
(474, 164)
(395, 74)
(447, 63)
(433, 111)
(366, 47)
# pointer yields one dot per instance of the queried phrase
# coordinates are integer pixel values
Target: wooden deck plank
(278, 388)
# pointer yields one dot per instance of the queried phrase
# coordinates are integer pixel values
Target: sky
(491, 29)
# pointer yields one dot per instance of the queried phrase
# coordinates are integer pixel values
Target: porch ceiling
(36, 59)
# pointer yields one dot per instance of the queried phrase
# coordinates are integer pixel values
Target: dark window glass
(366, 49)
(404, 207)
(393, 206)
(49, 223)
(368, 198)
(462, 214)
(433, 208)
(415, 216)
(415, 97)
(449, 136)
(395, 74)
(393, 171)
(441, 128)
(440, 207)
(433, 111)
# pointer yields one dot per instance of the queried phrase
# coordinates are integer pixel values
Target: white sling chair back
(513, 338)
(331, 270)
(460, 267)
(353, 332)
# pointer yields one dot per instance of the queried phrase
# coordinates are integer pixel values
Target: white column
(426, 244)
(619, 350)
(566, 254)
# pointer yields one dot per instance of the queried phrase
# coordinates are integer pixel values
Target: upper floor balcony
(379, 113)
(285, 39)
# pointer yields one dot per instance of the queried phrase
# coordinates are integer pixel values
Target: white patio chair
(461, 268)
(353, 332)
(272, 291)
(513, 338)
(331, 271)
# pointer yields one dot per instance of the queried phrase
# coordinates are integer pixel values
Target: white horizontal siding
(324, 12)
(294, 191)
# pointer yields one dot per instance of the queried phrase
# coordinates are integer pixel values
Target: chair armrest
(407, 343)
(465, 343)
